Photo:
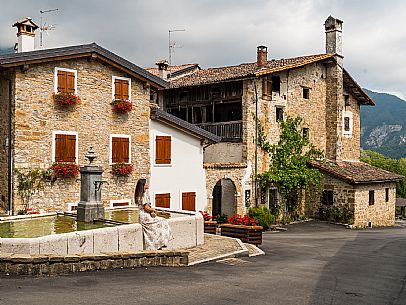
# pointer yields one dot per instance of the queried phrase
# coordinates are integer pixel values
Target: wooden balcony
(228, 131)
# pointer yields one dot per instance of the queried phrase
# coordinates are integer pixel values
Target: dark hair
(139, 190)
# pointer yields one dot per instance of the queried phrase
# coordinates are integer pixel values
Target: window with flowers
(121, 99)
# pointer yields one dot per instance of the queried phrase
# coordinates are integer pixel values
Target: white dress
(156, 229)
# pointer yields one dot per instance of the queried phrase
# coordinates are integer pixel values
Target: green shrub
(336, 214)
(223, 218)
(262, 216)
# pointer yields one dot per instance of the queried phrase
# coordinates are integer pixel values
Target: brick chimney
(262, 56)
(25, 34)
(163, 69)
(334, 29)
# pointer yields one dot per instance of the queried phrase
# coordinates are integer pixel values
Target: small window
(347, 100)
(279, 114)
(65, 147)
(163, 200)
(189, 201)
(273, 199)
(328, 197)
(120, 149)
(306, 133)
(121, 88)
(163, 150)
(247, 195)
(371, 197)
(346, 123)
(65, 81)
(386, 194)
(276, 84)
(306, 93)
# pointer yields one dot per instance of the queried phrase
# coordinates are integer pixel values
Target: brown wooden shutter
(163, 200)
(125, 89)
(120, 150)
(118, 95)
(65, 148)
(163, 150)
(70, 82)
(189, 201)
(62, 81)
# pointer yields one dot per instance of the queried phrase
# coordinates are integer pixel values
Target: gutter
(10, 157)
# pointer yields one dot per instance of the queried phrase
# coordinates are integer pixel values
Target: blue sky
(227, 32)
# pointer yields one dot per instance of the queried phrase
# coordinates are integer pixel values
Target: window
(328, 197)
(306, 93)
(279, 114)
(120, 148)
(65, 146)
(121, 88)
(189, 201)
(386, 194)
(347, 123)
(119, 203)
(347, 100)
(163, 200)
(306, 133)
(65, 80)
(371, 197)
(162, 150)
(263, 195)
(276, 84)
(273, 199)
(271, 85)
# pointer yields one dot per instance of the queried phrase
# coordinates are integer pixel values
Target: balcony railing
(228, 131)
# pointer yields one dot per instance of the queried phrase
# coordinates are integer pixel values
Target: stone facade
(36, 118)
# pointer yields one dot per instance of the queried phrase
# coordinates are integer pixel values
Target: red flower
(245, 220)
(122, 169)
(122, 106)
(65, 99)
(65, 169)
(206, 216)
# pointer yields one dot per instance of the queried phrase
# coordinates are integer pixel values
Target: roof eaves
(369, 101)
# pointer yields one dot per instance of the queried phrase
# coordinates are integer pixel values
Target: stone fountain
(90, 206)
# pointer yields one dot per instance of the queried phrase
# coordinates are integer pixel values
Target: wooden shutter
(125, 89)
(163, 150)
(121, 89)
(117, 89)
(120, 150)
(66, 82)
(189, 201)
(163, 200)
(65, 148)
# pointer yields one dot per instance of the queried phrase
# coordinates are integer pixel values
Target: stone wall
(351, 144)
(223, 152)
(4, 128)
(381, 213)
(93, 119)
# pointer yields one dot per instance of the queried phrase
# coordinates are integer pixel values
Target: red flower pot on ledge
(122, 106)
(65, 169)
(244, 228)
(122, 169)
(65, 99)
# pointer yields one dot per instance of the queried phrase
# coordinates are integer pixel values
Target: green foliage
(395, 166)
(263, 216)
(336, 214)
(262, 139)
(223, 218)
(289, 169)
(29, 183)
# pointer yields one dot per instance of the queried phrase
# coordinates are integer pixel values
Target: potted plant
(122, 169)
(65, 99)
(65, 169)
(121, 105)
(210, 225)
(244, 228)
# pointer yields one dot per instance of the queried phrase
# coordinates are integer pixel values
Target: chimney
(334, 28)
(163, 71)
(262, 56)
(25, 34)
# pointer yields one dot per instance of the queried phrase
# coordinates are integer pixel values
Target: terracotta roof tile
(172, 69)
(213, 75)
(356, 172)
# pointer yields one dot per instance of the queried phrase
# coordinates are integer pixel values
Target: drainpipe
(10, 157)
(256, 142)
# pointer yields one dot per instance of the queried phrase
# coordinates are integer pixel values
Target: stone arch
(224, 197)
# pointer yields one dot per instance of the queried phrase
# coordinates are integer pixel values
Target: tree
(289, 169)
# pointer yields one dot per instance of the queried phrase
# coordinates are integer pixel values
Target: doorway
(224, 200)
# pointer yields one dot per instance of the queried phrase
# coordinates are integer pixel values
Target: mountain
(383, 126)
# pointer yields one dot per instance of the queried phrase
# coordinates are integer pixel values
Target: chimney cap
(162, 64)
(332, 22)
(262, 48)
(26, 21)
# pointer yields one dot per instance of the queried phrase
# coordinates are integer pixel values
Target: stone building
(227, 101)
(35, 132)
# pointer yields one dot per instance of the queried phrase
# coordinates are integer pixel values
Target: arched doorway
(224, 198)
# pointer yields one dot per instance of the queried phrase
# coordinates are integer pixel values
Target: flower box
(122, 169)
(65, 169)
(122, 106)
(65, 99)
(247, 234)
(210, 226)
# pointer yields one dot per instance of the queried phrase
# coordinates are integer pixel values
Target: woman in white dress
(155, 229)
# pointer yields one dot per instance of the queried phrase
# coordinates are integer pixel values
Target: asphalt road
(311, 263)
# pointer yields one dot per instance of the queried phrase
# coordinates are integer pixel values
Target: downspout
(10, 157)
(256, 142)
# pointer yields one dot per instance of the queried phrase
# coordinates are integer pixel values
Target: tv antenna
(172, 45)
(44, 27)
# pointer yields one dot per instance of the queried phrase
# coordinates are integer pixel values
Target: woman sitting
(156, 229)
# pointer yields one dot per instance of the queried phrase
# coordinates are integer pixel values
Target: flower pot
(210, 227)
(247, 234)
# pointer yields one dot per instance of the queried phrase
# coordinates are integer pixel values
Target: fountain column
(90, 206)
